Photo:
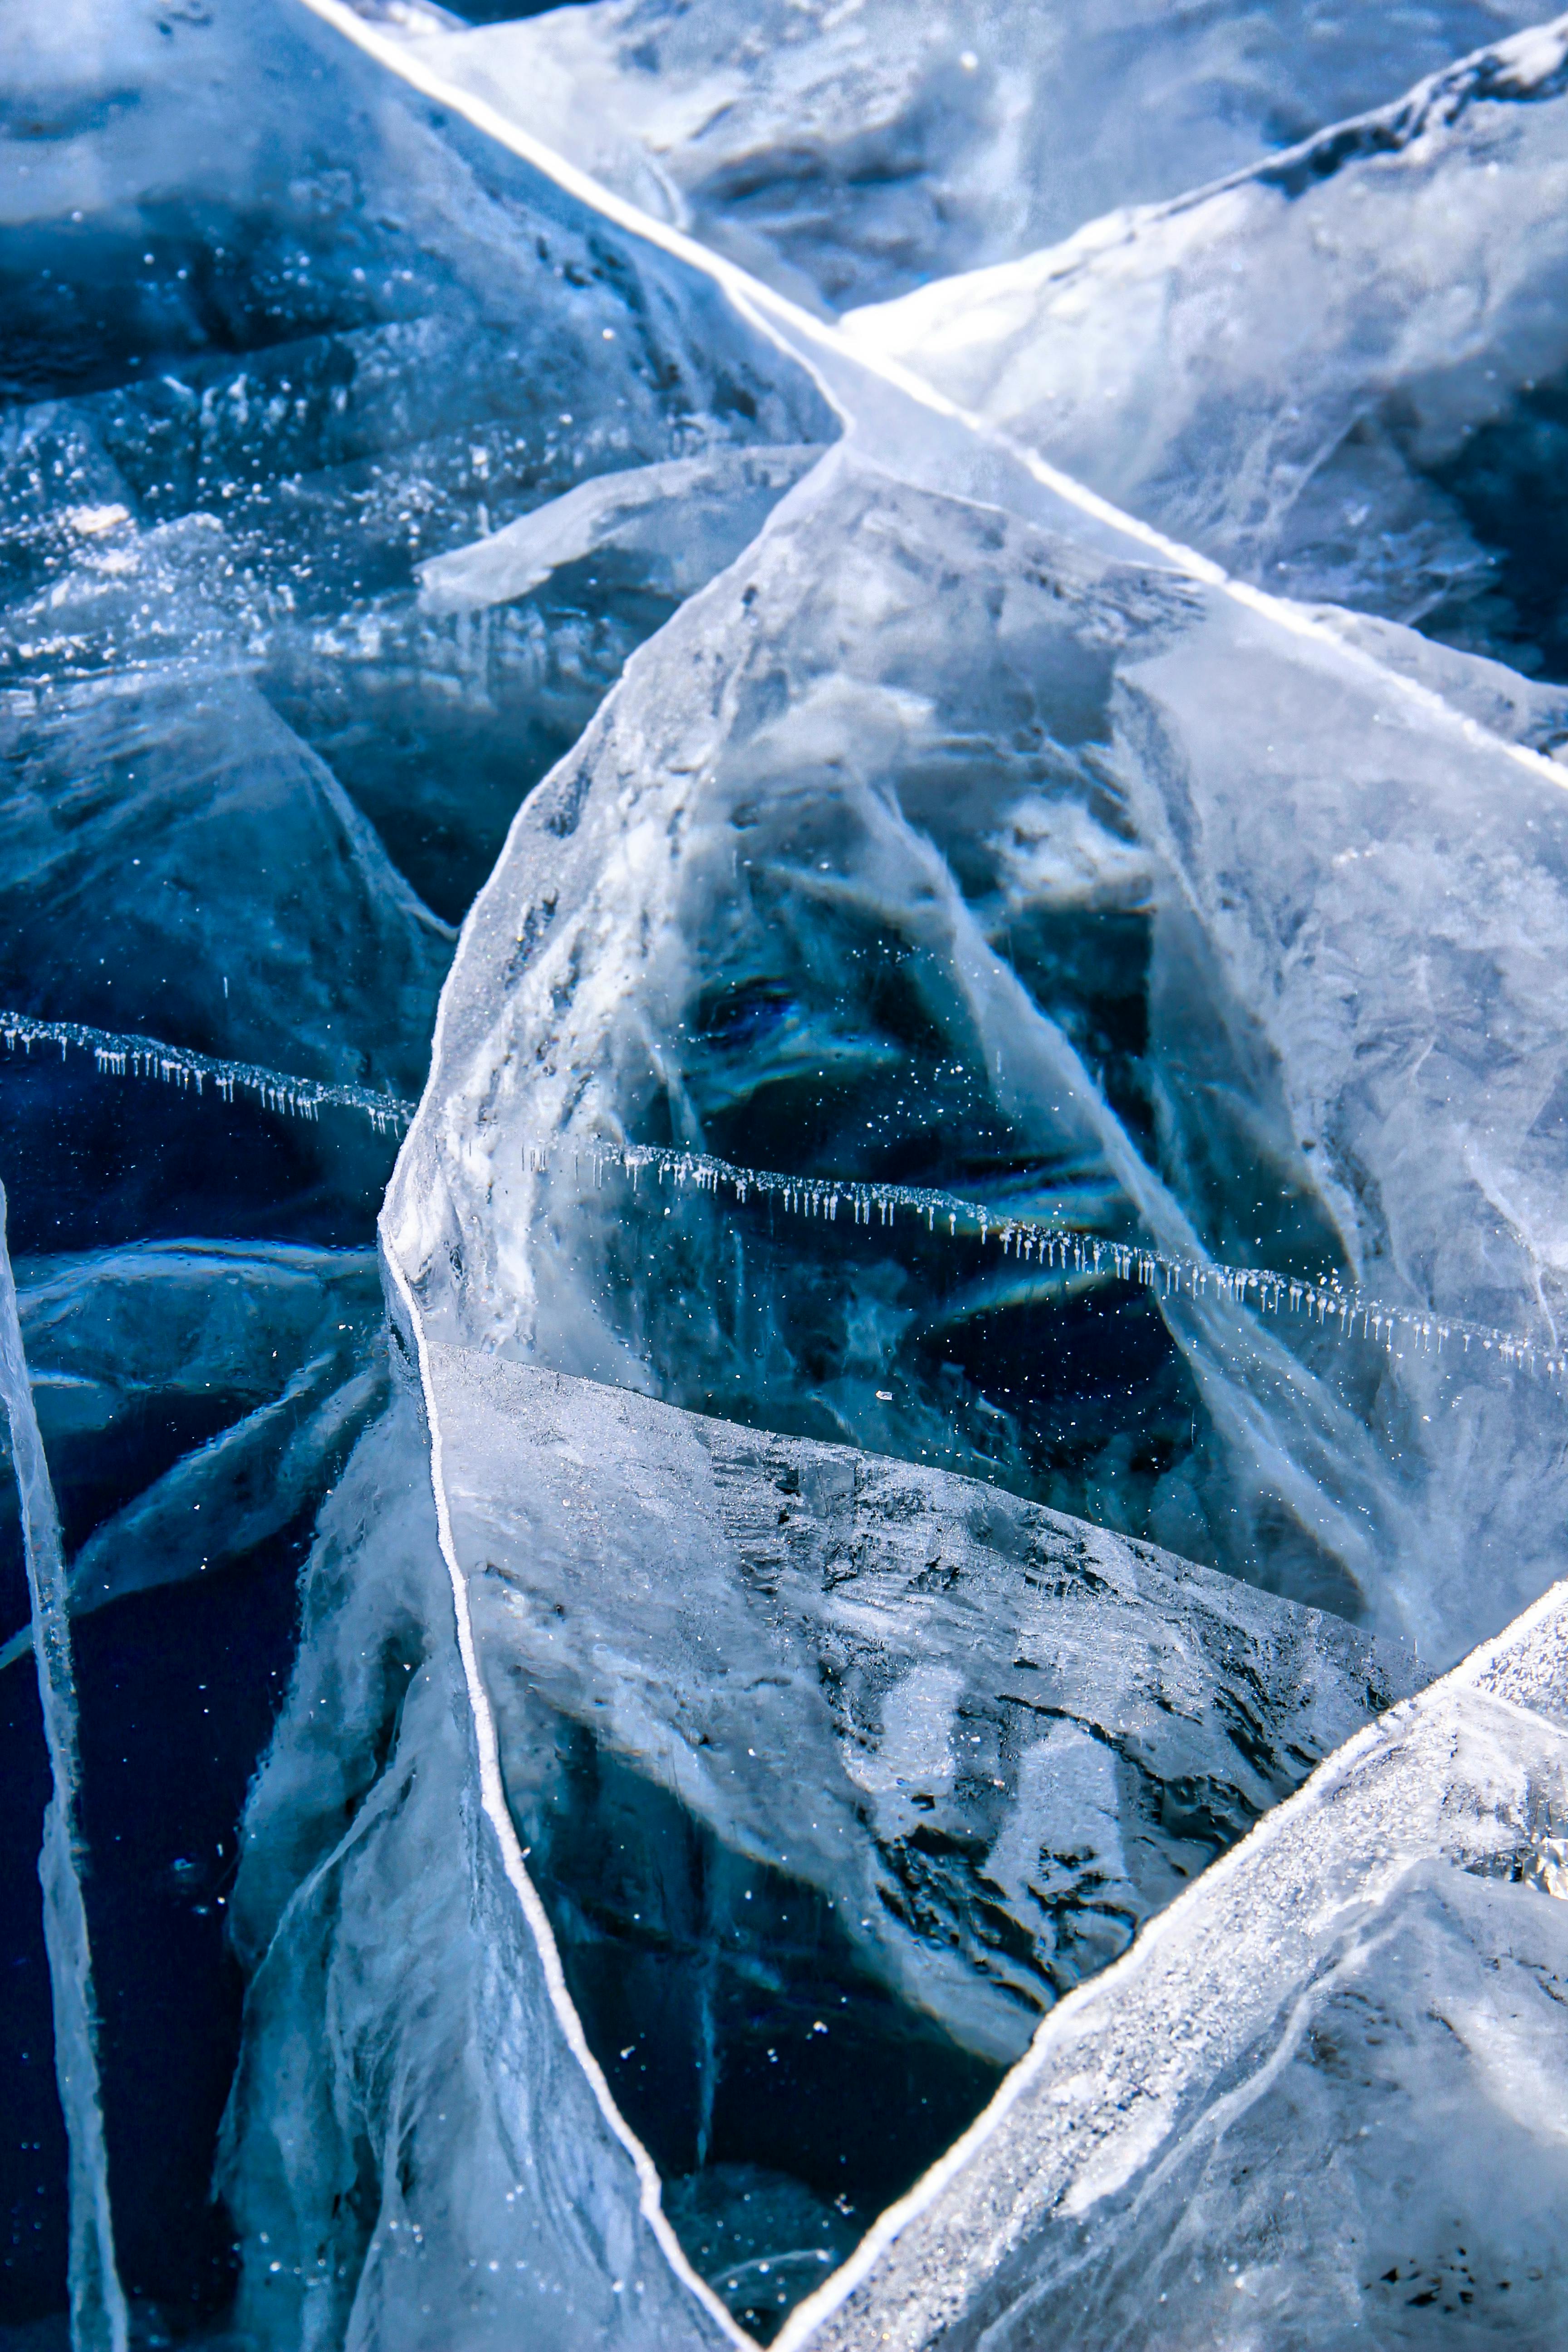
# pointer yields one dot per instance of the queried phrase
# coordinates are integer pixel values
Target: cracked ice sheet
(1323, 2095)
(996, 1739)
(1339, 374)
(876, 793)
(415, 2151)
(846, 153)
(411, 2134)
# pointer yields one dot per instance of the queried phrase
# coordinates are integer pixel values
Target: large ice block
(996, 1739)
(972, 865)
(848, 154)
(1339, 373)
(831, 1773)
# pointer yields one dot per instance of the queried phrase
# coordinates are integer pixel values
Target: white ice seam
(789, 328)
(497, 1812)
(1045, 1242)
(99, 2318)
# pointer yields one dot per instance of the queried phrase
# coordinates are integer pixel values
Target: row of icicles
(1028, 1238)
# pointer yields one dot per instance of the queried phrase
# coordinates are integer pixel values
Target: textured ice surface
(689, 1793)
(1340, 374)
(1320, 2102)
(737, 1682)
(850, 152)
(678, 523)
(261, 368)
(967, 868)
(994, 1740)
(415, 2154)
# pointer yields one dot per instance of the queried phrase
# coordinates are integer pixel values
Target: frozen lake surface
(783, 1105)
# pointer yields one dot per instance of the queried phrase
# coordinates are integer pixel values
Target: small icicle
(99, 2322)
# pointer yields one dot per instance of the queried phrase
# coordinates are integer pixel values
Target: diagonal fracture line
(1048, 1241)
(800, 333)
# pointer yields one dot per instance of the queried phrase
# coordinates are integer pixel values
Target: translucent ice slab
(850, 152)
(1318, 2104)
(1034, 904)
(1340, 373)
(277, 335)
(993, 1740)
(420, 2148)
(830, 1773)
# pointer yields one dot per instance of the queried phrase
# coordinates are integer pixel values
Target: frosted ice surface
(1001, 904)
(1339, 373)
(846, 153)
(1520, 709)
(1319, 2103)
(996, 1738)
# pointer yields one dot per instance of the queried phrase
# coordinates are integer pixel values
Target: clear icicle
(98, 2319)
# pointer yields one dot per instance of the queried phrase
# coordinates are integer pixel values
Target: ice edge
(1059, 2022)
(794, 331)
(496, 1811)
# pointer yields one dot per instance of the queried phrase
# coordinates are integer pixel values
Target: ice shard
(965, 1745)
(878, 910)
(419, 2143)
(932, 1703)
(98, 2319)
(681, 523)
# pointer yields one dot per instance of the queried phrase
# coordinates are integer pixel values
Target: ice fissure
(1326, 1300)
